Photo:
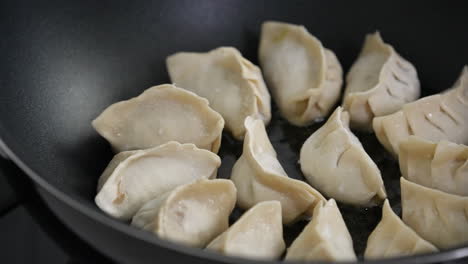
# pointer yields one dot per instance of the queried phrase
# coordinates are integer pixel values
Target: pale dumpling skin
(161, 114)
(259, 176)
(436, 216)
(442, 166)
(334, 161)
(192, 214)
(325, 237)
(304, 77)
(133, 178)
(393, 238)
(379, 83)
(258, 234)
(232, 84)
(438, 117)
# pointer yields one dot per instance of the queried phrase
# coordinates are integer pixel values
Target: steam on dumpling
(438, 117)
(133, 178)
(232, 84)
(442, 166)
(334, 161)
(192, 214)
(305, 78)
(325, 237)
(257, 234)
(393, 238)
(161, 114)
(379, 83)
(436, 216)
(258, 176)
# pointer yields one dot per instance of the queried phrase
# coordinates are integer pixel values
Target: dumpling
(232, 84)
(442, 166)
(334, 161)
(438, 117)
(392, 238)
(258, 234)
(133, 178)
(325, 237)
(379, 83)
(258, 176)
(304, 77)
(436, 216)
(192, 214)
(161, 114)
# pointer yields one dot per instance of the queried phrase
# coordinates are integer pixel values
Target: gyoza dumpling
(437, 117)
(325, 237)
(232, 84)
(334, 161)
(192, 214)
(161, 114)
(258, 176)
(392, 238)
(442, 166)
(305, 78)
(133, 178)
(436, 216)
(258, 234)
(379, 83)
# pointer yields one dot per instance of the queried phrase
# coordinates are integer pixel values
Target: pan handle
(8, 197)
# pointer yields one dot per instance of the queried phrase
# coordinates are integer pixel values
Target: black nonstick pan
(63, 62)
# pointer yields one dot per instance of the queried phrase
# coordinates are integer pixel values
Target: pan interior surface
(62, 64)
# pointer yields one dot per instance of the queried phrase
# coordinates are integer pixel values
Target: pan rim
(441, 256)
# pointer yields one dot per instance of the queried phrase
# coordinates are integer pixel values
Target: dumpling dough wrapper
(334, 161)
(436, 216)
(304, 78)
(192, 214)
(325, 237)
(379, 83)
(442, 166)
(258, 234)
(393, 238)
(161, 114)
(132, 178)
(437, 117)
(232, 84)
(259, 176)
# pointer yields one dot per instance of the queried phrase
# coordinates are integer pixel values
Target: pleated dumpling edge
(192, 214)
(160, 114)
(133, 178)
(259, 176)
(379, 83)
(334, 162)
(304, 77)
(393, 238)
(233, 85)
(437, 117)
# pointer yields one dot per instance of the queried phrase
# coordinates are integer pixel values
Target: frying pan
(63, 62)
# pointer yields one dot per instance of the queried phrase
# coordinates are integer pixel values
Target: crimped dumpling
(379, 83)
(436, 216)
(325, 237)
(442, 166)
(393, 238)
(258, 234)
(161, 114)
(192, 214)
(258, 176)
(133, 178)
(232, 84)
(304, 77)
(334, 161)
(438, 117)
